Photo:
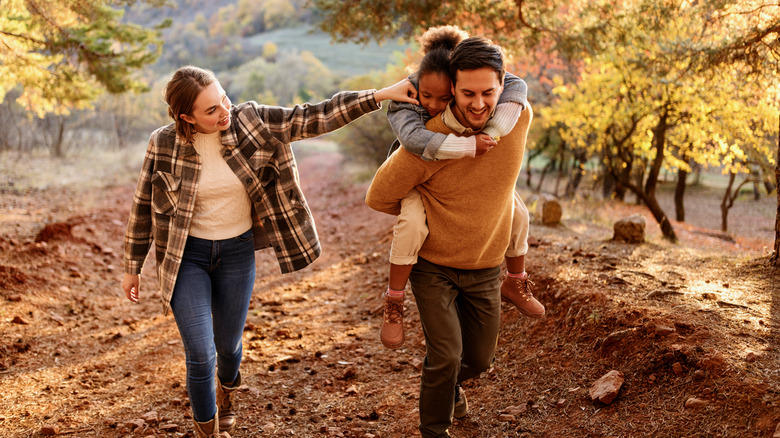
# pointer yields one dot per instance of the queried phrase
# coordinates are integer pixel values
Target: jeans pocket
(246, 236)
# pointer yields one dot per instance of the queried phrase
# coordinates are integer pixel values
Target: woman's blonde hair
(180, 94)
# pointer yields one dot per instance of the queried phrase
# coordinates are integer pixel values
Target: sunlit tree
(63, 53)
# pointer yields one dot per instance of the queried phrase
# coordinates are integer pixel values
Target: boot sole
(521, 310)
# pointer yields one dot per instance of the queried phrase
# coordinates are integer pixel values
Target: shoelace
(525, 288)
(394, 311)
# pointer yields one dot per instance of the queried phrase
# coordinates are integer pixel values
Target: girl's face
(435, 92)
(211, 110)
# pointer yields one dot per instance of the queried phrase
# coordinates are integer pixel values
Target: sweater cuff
(504, 120)
(455, 147)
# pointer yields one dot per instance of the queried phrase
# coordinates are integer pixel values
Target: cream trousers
(411, 229)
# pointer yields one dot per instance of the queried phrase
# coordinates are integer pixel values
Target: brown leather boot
(209, 429)
(518, 292)
(226, 404)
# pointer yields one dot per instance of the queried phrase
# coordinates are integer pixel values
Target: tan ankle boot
(226, 404)
(209, 429)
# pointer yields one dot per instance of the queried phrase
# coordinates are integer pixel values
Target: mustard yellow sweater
(468, 202)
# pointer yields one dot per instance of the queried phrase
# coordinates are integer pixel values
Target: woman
(215, 185)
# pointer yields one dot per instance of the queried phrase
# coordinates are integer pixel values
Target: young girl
(408, 122)
(218, 183)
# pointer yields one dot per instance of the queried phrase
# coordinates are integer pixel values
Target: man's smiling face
(476, 94)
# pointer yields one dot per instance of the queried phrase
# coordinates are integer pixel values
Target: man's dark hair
(474, 53)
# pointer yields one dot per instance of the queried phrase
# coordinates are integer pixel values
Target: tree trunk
(728, 200)
(608, 183)
(550, 166)
(775, 258)
(659, 142)
(561, 165)
(639, 174)
(577, 172)
(724, 204)
(679, 195)
(533, 154)
(57, 145)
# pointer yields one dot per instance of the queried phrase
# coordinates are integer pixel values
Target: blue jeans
(210, 302)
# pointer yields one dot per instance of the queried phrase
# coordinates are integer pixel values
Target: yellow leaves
(63, 53)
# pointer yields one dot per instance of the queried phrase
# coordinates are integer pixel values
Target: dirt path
(77, 359)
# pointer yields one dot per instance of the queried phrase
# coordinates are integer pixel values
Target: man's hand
(484, 144)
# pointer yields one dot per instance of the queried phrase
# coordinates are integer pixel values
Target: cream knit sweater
(468, 202)
(222, 206)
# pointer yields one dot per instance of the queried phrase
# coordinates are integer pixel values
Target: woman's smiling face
(211, 110)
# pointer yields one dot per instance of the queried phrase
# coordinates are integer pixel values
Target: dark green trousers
(460, 312)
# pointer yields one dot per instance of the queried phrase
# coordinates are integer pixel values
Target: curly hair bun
(441, 37)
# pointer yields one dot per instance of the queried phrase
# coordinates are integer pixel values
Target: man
(468, 204)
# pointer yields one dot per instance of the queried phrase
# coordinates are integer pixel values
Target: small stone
(777, 432)
(506, 418)
(695, 403)
(15, 298)
(169, 427)
(268, 427)
(630, 229)
(49, 429)
(662, 330)
(606, 388)
(752, 356)
(19, 320)
(551, 210)
(561, 403)
(352, 390)
(135, 424)
(677, 368)
(150, 417)
(515, 410)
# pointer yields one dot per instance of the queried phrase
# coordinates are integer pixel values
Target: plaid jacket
(257, 148)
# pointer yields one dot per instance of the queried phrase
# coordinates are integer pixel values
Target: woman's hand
(130, 284)
(402, 91)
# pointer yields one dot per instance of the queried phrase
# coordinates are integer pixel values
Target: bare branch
(524, 22)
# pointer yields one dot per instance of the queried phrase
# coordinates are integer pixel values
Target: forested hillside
(269, 51)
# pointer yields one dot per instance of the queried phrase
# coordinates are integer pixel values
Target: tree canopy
(641, 85)
(64, 53)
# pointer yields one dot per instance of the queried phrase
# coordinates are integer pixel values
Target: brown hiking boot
(226, 404)
(461, 404)
(209, 429)
(518, 292)
(392, 334)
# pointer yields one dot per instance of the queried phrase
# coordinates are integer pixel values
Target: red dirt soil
(699, 319)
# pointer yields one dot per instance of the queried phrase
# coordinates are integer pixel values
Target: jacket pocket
(165, 193)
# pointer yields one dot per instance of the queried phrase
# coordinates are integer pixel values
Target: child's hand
(484, 144)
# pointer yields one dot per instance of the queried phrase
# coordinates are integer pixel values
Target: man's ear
(187, 119)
